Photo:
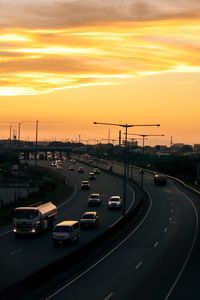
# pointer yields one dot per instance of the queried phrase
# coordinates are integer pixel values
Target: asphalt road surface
(21, 257)
(153, 261)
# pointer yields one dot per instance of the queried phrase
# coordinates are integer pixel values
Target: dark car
(80, 170)
(96, 171)
(89, 219)
(85, 185)
(160, 179)
(92, 176)
(71, 168)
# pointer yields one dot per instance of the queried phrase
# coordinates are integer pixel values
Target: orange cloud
(35, 61)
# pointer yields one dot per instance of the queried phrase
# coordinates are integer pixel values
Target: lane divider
(139, 265)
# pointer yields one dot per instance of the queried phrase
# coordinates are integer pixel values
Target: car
(94, 200)
(96, 171)
(71, 168)
(66, 231)
(59, 167)
(92, 176)
(53, 163)
(81, 170)
(115, 202)
(15, 167)
(72, 161)
(85, 185)
(160, 179)
(89, 219)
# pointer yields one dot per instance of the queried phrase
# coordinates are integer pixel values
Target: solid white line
(137, 267)
(109, 296)
(193, 242)
(70, 198)
(16, 251)
(6, 232)
(156, 244)
(105, 256)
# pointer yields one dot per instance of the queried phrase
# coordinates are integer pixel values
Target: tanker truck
(33, 219)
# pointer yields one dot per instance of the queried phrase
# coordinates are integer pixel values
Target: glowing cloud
(138, 38)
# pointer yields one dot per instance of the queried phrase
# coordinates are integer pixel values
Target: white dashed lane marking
(15, 252)
(138, 265)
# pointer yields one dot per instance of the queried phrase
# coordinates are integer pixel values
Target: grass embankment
(52, 188)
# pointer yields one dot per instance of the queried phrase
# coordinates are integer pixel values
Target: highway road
(21, 257)
(153, 261)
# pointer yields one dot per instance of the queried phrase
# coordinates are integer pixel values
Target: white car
(115, 202)
(94, 200)
(96, 171)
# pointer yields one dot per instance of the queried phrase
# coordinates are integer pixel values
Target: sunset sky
(68, 63)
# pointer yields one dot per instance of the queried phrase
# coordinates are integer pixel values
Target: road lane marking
(109, 296)
(105, 256)
(15, 252)
(165, 230)
(138, 265)
(170, 219)
(70, 198)
(172, 211)
(4, 233)
(193, 242)
(156, 244)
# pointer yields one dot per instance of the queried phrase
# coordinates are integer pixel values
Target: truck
(34, 219)
(160, 179)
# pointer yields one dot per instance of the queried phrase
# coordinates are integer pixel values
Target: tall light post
(126, 126)
(19, 129)
(36, 141)
(144, 136)
(10, 135)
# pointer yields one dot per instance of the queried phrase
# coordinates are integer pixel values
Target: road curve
(21, 257)
(148, 263)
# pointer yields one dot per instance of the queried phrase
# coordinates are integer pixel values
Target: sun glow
(51, 59)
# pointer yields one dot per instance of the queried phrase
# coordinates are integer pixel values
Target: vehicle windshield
(62, 229)
(25, 214)
(88, 216)
(114, 199)
(94, 196)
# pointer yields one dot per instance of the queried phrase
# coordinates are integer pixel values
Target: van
(66, 231)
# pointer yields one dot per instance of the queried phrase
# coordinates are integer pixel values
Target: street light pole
(126, 126)
(10, 135)
(143, 138)
(19, 127)
(36, 142)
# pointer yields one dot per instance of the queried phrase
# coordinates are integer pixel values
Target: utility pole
(36, 142)
(10, 135)
(19, 127)
(126, 126)
(171, 141)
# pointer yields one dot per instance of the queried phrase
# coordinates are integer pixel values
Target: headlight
(14, 230)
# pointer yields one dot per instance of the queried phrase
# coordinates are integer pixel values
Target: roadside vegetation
(52, 187)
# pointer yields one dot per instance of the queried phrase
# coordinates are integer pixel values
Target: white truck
(33, 219)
